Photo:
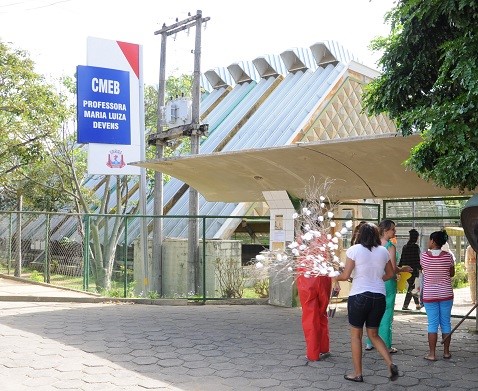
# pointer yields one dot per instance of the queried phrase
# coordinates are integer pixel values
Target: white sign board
(113, 159)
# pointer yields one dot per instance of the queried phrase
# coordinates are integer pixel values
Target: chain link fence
(103, 253)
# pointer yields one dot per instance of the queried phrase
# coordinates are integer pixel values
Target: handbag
(333, 295)
(416, 291)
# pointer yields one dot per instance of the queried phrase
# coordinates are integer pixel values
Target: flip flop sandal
(447, 356)
(358, 379)
(393, 350)
(393, 372)
(429, 359)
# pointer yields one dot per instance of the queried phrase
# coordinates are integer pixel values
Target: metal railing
(98, 253)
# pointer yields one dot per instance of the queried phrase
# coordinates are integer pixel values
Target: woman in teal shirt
(387, 232)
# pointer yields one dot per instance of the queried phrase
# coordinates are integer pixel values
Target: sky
(55, 32)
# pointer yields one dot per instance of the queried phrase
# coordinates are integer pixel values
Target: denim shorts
(366, 308)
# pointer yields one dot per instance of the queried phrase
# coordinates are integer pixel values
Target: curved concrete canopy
(361, 168)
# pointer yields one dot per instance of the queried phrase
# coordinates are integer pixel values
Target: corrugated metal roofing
(276, 122)
(271, 100)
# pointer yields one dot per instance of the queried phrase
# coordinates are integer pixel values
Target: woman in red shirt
(438, 269)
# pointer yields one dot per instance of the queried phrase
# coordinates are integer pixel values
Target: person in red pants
(314, 295)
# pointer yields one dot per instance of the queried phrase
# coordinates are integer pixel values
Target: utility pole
(161, 139)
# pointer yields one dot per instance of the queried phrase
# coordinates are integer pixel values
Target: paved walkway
(108, 346)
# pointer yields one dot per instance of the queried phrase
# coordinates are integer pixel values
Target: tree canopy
(31, 114)
(429, 85)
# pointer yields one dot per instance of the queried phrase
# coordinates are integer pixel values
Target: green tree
(41, 160)
(31, 112)
(429, 85)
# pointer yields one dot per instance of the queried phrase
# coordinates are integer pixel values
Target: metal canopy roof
(361, 168)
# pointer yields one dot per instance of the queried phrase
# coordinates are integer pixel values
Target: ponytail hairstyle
(413, 235)
(439, 237)
(385, 225)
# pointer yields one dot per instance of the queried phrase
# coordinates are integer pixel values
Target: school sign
(109, 105)
(103, 106)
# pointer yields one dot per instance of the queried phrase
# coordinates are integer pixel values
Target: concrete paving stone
(285, 375)
(193, 352)
(221, 366)
(70, 385)
(245, 361)
(145, 360)
(256, 375)
(157, 337)
(236, 353)
(53, 373)
(316, 376)
(249, 368)
(116, 343)
(120, 358)
(282, 341)
(265, 383)
(142, 352)
(166, 355)
(204, 385)
(200, 356)
(98, 369)
(228, 373)
(177, 371)
(151, 384)
(70, 366)
(118, 351)
(436, 383)
(251, 388)
(125, 382)
(296, 384)
(239, 381)
(97, 378)
(171, 362)
(216, 355)
(164, 345)
(291, 362)
(92, 349)
(199, 372)
(157, 388)
(42, 363)
(195, 364)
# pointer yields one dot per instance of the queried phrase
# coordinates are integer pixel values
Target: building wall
(175, 260)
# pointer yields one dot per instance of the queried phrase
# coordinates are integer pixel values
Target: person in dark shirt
(411, 257)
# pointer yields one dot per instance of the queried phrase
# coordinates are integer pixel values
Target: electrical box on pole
(182, 119)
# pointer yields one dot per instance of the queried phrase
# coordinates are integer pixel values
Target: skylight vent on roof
(239, 74)
(292, 62)
(214, 79)
(264, 68)
(323, 56)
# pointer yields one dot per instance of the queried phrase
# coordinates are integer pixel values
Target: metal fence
(427, 215)
(97, 253)
(102, 253)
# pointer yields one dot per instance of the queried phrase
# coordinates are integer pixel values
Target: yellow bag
(402, 284)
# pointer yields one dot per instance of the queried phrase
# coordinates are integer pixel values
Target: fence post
(86, 254)
(10, 233)
(125, 248)
(47, 264)
(204, 260)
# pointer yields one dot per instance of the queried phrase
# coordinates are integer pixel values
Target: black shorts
(367, 309)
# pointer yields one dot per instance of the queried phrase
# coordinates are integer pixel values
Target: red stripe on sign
(131, 52)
